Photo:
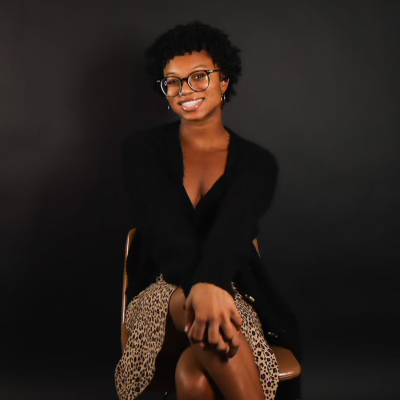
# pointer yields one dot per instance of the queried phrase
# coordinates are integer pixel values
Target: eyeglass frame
(181, 80)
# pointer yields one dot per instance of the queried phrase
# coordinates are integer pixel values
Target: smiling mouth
(191, 105)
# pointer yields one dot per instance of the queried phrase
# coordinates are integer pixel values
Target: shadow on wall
(75, 243)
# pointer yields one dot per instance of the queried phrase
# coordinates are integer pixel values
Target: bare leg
(176, 309)
(190, 380)
(237, 378)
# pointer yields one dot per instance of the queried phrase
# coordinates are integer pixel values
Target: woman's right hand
(210, 306)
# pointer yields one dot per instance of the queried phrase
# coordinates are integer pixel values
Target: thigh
(238, 377)
(175, 343)
(175, 340)
(176, 309)
(234, 377)
(192, 381)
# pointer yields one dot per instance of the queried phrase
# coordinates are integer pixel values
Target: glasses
(198, 81)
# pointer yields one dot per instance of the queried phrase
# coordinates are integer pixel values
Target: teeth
(191, 103)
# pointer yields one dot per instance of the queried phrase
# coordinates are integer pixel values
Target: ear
(224, 83)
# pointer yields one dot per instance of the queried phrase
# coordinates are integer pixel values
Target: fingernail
(186, 328)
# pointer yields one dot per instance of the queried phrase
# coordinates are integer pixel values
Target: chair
(289, 367)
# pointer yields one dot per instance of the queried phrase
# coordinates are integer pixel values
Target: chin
(199, 115)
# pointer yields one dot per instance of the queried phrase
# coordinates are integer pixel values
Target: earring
(223, 98)
(169, 107)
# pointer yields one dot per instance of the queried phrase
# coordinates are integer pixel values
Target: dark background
(320, 89)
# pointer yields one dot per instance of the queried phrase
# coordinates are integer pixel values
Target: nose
(185, 88)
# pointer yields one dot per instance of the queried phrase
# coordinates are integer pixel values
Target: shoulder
(253, 154)
(146, 139)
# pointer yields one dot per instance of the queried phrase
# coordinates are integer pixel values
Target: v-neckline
(216, 183)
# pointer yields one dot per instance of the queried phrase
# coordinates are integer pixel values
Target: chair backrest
(129, 240)
(288, 365)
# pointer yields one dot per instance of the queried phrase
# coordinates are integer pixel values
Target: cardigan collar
(171, 152)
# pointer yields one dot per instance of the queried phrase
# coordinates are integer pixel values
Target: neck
(203, 134)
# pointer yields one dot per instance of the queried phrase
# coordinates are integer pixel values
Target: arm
(227, 244)
(208, 302)
(156, 203)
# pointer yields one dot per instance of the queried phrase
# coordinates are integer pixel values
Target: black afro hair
(195, 36)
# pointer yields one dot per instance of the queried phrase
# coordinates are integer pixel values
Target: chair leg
(170, 396)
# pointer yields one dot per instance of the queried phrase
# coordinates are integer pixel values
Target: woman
(199, 190)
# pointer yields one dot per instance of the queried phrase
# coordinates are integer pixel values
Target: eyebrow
(193, 70)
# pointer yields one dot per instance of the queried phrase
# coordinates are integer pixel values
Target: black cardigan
(211, 242)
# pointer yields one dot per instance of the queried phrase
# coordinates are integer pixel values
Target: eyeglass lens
(197, 81)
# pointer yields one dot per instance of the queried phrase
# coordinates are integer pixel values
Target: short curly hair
(195, 36)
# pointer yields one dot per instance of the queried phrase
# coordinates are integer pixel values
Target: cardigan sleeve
(244, 202)
(156, 204)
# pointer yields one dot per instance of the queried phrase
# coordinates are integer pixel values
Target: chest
(201, 171)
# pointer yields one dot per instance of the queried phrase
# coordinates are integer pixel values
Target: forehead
(186, 63)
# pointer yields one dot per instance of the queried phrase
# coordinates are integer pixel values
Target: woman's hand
(209, 306)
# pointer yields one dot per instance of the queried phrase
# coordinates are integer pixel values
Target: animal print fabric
(146, 318)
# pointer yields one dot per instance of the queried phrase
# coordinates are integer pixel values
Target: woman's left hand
(211, 318)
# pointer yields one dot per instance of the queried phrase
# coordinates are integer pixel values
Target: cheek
(217, 89)
(173, 102)
(216, 96)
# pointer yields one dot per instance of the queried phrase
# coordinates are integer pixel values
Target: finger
(236, 340)
(227, 330)
(196, 332)
(189, 314)
(222, 346)
(189, 321)
(234, 346)
(190, 332)
(187, 328)
(236, 319)
(232, 352)
(213, 333)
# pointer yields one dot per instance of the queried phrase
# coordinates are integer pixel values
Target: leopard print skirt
(146, 318)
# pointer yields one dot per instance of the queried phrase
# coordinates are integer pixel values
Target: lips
(191, 105)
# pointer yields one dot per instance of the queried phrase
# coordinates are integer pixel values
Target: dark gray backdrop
(320, 89)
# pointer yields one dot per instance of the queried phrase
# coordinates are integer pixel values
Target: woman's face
(191, 105)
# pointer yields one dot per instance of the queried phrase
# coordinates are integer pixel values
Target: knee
(192, 384)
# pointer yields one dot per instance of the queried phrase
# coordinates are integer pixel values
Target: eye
(198, 76)
(172, 82)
